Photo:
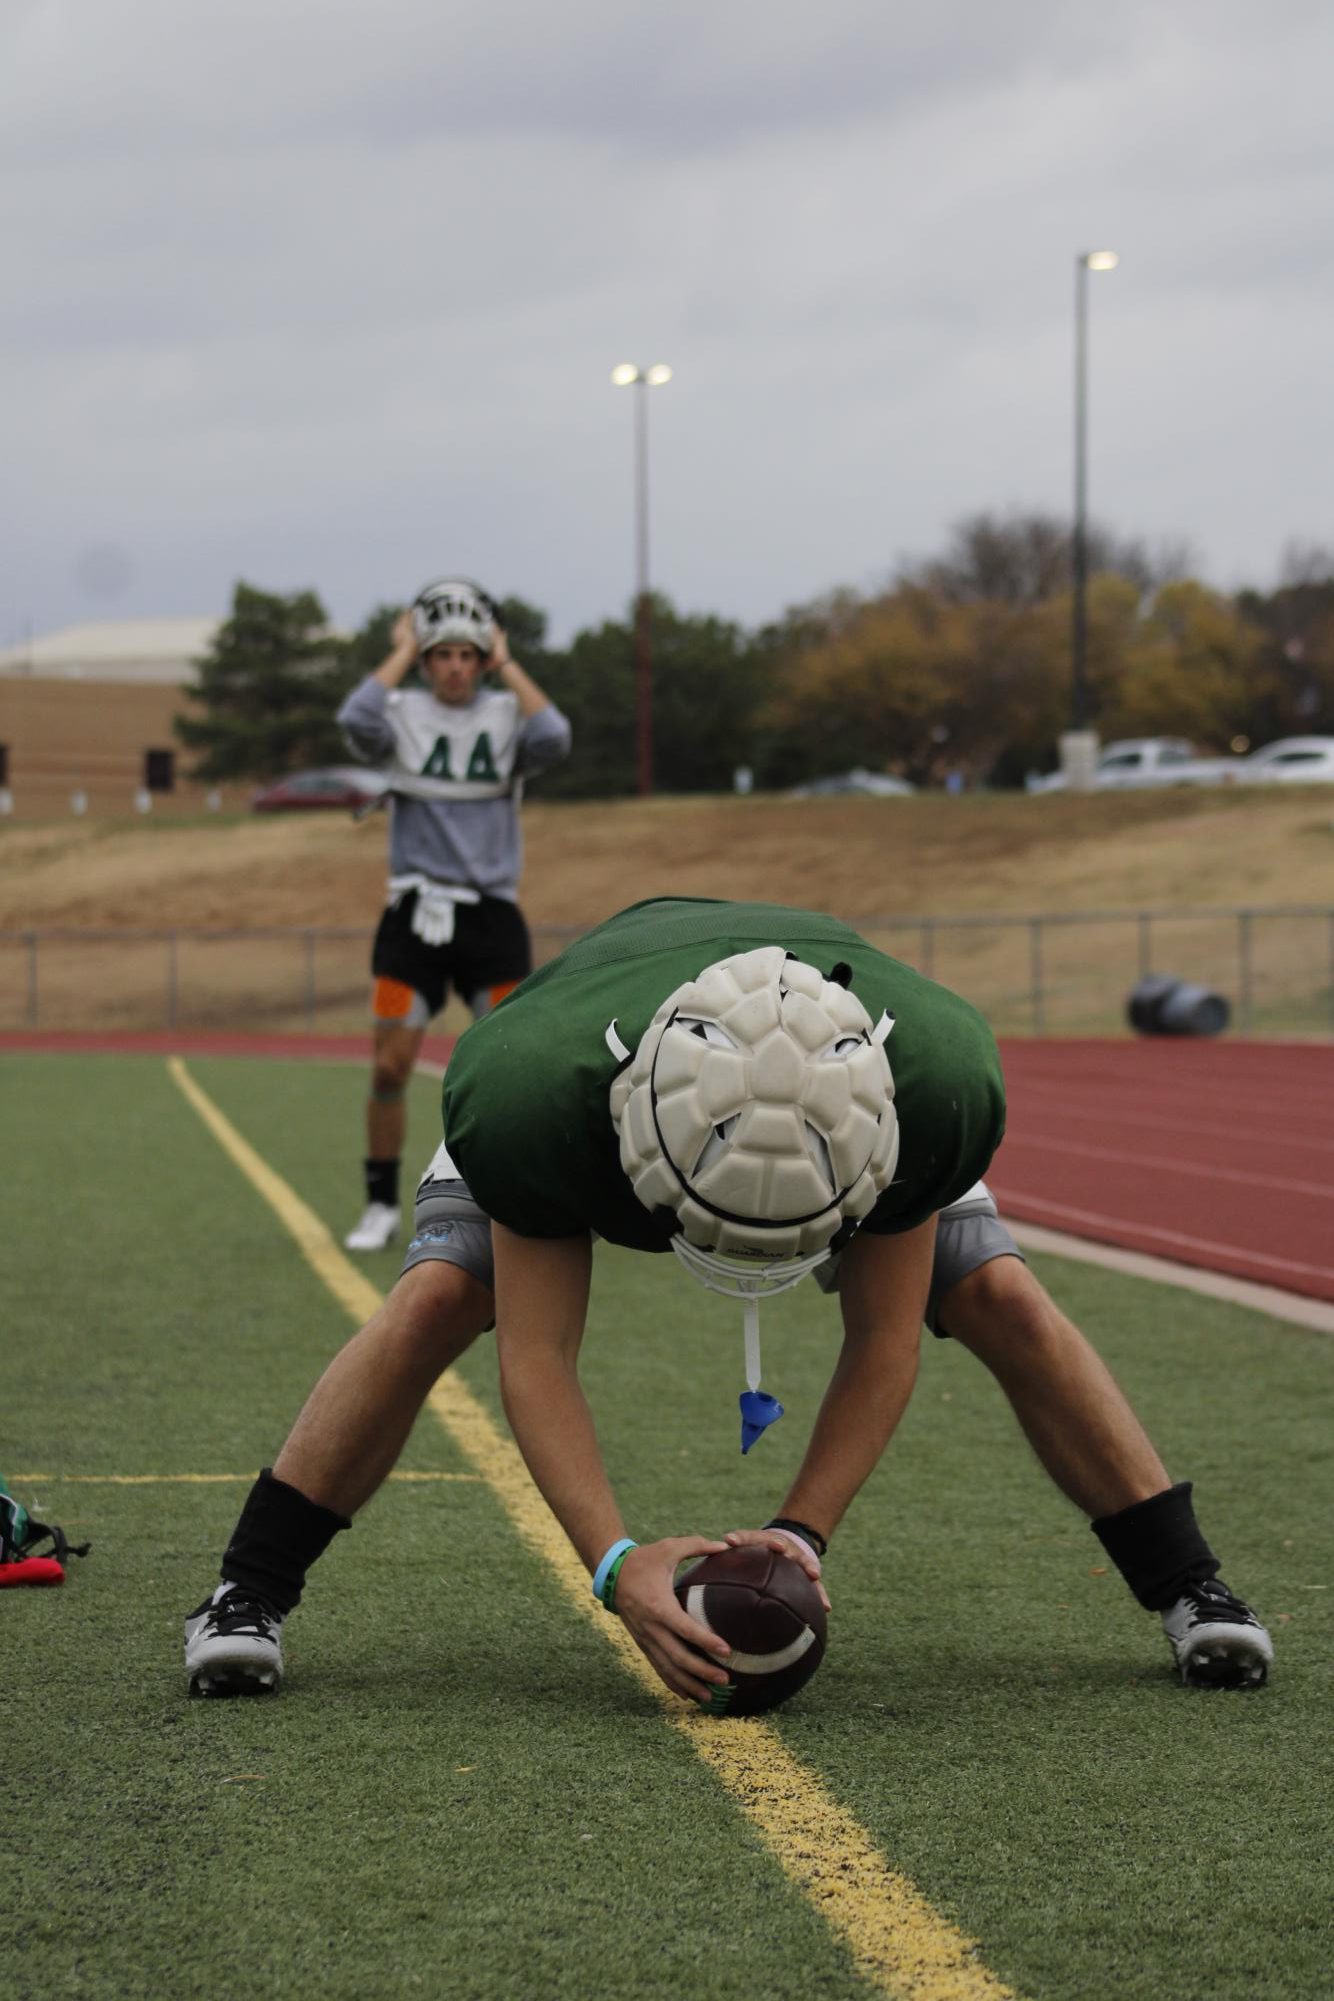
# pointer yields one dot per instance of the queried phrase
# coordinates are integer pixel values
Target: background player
(457, 753)
(757, 1129)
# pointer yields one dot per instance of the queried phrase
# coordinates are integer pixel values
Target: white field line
(200, 1479)
(1290, 1306)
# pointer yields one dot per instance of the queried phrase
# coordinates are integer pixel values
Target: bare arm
(882, 1290)
(541, 1305)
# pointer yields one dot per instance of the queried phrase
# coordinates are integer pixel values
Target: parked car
(1293, 760)
(875, 784)
(350, 786)
(1143, 761)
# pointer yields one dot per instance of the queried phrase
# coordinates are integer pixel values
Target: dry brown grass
(861, 858)
(929, 855)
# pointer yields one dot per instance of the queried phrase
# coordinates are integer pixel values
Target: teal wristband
(604, 1577)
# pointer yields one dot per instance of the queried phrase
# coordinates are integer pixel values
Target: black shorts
(490, 948)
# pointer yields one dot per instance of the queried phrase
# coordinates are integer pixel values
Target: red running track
(1214, 1153)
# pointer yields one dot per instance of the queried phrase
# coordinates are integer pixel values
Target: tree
(1295, 691)
(707, 682)
(268, 687)
(526, 630)
(877, 690)
(1028, 559)
(1186, 668)
(372, 643)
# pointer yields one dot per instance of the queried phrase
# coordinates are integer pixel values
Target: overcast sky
(328, 294)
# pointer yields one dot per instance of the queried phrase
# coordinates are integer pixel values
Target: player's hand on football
(786, 1544)
(671, 1640)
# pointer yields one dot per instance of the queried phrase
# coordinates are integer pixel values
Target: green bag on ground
(21, 1537)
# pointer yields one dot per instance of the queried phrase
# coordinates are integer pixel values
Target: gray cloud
(320, 294)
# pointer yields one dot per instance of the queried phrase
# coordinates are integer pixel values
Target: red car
(345, 785)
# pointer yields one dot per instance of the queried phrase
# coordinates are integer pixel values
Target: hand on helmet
(500, 651)
(405, 636)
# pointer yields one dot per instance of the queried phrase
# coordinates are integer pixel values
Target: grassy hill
(929, 855)
(871, 860)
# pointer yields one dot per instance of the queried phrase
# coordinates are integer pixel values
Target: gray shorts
(450, 1227)
(968, 1234)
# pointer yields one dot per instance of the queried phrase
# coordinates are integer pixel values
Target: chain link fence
(1062, 973)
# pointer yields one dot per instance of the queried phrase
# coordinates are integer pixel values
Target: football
(768, 1610)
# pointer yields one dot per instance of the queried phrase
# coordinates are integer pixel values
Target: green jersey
(527, 1093)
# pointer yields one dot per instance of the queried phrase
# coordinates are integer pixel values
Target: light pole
(627, 376)
(1090, 260)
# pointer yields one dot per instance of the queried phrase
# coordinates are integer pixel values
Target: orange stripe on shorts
(391, 999)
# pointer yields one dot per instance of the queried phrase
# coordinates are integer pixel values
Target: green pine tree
(268, 689)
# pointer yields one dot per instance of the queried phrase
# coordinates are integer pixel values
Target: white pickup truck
(1142, 761)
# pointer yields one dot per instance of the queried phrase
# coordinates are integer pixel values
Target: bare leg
(396, 1051)
(1064, 1396)
(357, 1418)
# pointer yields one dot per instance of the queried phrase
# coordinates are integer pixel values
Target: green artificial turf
(460, 1792)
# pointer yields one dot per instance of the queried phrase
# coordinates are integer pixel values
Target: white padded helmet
(454, 612)
(759, 1108)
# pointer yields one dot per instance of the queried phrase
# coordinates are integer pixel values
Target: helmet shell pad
(758, 1108)
(454, 612)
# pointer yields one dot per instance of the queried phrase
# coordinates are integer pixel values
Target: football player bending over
(759, 1091)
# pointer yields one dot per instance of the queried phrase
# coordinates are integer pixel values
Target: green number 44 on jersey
(481, 763)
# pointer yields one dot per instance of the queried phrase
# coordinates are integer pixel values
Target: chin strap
(758, 1410)
(738, 1279)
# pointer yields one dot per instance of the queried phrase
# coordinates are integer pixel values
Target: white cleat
(1217, 1640)
(233, 1644)
(376, 1230)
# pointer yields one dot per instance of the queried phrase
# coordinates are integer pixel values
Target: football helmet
(759, 1108)
(454, 611)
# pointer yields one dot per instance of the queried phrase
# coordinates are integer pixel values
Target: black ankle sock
(382, 1182)
(1158, 1547)
(279, 1536)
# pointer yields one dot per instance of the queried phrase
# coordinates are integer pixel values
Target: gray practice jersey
(454, 772)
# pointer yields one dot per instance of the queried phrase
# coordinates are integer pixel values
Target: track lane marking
(899, 1943)
(1157, 1164)
(1084, 1110)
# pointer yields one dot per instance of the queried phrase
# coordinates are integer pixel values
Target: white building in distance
(161, 651)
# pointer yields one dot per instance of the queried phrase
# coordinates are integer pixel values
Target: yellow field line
(901, 1946)
(189, 1479)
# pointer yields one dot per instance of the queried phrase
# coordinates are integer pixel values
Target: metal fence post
(1265, 1001)
(310, 982)
(1244, 970)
